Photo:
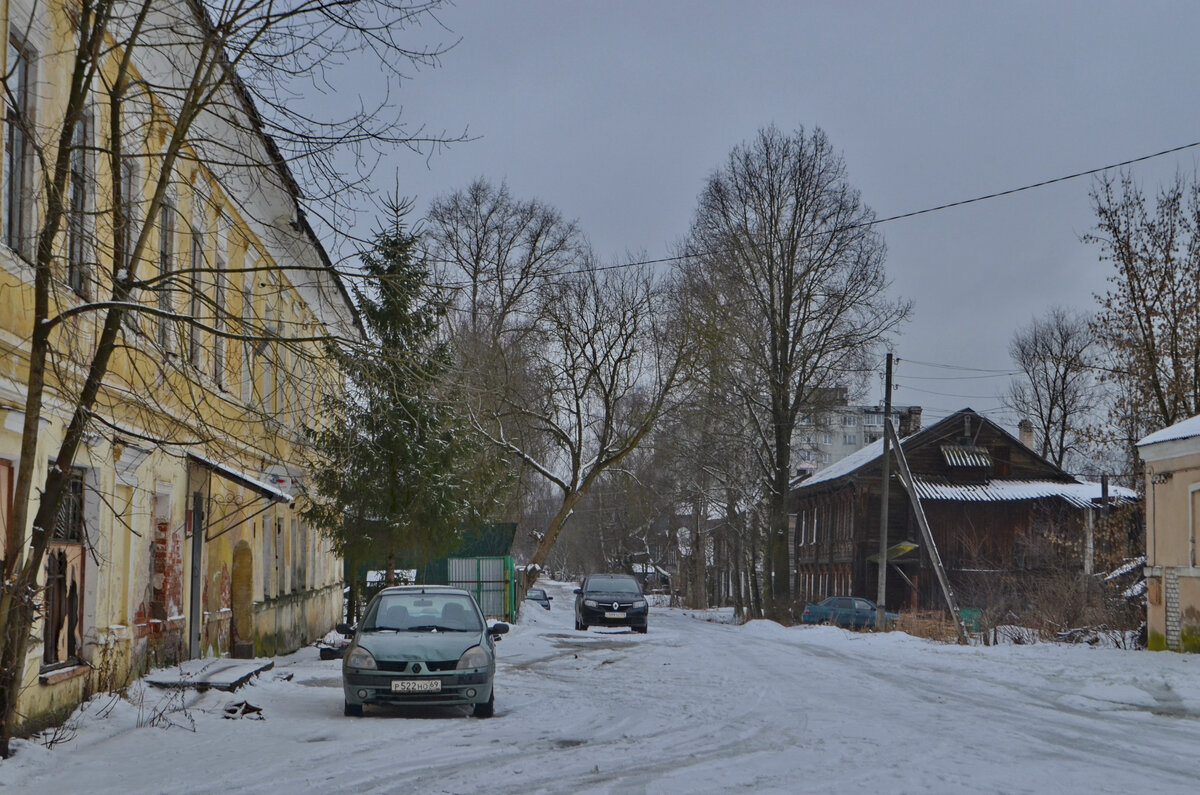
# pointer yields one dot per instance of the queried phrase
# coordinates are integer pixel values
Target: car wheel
(486, 709)
(642, 630)
(579, 625)
(352, 710)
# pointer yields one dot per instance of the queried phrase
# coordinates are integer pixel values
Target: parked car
(421, 645)
(611, 600)
(851, 612)
(540, 596)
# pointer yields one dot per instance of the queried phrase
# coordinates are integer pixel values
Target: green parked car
(421, 645)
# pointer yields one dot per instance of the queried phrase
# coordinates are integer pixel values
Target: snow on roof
(1083, 494)
(1180, 430)
(857, 459)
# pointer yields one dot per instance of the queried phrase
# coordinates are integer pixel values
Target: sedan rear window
(418, 612)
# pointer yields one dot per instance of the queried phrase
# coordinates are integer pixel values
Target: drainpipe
(1192, 489)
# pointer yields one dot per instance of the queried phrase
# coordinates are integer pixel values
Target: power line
(997, 371)
(901, 216)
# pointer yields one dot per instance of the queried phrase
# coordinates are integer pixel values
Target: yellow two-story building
(181, 533)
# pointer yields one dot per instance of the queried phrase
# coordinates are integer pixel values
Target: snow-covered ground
(694, 706)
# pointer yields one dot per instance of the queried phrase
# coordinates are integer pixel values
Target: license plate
(416, 685)
(614, 614)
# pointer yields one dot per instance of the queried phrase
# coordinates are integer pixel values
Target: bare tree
(495, 253)
(605, 362)
(498, 251)
(1149, 320)
(1057, 389)
(155, 109)
(570, 363)
(784, 248)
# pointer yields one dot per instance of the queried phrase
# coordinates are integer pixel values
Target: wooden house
(994, 507)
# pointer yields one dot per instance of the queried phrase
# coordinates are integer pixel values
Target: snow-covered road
(693, 706)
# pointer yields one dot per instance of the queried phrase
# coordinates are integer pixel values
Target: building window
(850, 439)
(77, 212)
(68, 526)
(194, 336)
(16, 150)
(849, 419)
(63, 600)
(166, 253)
(218, 356)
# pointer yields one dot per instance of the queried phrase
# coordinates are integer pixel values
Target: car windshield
(612, 585)
(537, 593)
(423, 612)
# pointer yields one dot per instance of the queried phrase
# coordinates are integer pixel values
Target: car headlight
(360, 658)
(474, 657)
(589, 602)
(639, 603)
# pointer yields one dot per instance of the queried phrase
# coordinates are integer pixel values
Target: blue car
(851, 612)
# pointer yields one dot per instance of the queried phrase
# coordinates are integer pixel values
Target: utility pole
(880, 611)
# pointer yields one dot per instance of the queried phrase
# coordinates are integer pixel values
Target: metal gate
(491, 580)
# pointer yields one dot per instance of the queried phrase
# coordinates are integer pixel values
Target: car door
(843, 611)
(864, 613)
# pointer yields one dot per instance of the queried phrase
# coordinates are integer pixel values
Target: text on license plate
(416, 685)
(614, 614)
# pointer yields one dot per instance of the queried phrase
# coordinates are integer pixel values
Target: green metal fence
(492, 580)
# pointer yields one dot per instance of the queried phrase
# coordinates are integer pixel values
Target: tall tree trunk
(546, 542)
(696, 590)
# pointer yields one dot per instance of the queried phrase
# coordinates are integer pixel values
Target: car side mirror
(345, 629)
(578, 590)
(498, 629)
(549, 598)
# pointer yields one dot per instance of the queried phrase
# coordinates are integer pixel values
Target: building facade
(827, 435)
(1172, 464)
(181, 533)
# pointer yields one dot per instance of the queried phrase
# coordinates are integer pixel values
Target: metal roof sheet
(1084, 494)
(966, 455)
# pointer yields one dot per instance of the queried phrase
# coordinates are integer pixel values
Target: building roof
(1082, 494)
(1180, 430)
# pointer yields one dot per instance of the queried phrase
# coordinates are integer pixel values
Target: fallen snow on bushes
(697, 705)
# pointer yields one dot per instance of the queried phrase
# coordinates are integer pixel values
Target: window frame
(16, 208)
(77, 208)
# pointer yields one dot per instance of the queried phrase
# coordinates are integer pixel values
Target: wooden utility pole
(935, 558)
(880, 610)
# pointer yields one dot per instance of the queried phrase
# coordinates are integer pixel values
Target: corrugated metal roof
(1083, 494)
(966, 455)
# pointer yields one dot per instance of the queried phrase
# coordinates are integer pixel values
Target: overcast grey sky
(616, 113)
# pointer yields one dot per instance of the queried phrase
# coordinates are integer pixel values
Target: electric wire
(899, 216)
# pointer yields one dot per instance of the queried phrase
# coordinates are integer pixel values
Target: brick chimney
(910, 421)
(1025, 429)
